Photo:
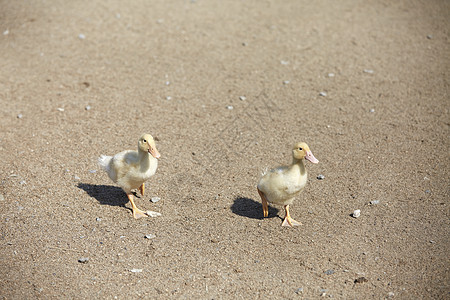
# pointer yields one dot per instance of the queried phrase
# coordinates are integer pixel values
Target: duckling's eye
(145, 141)
(300, 148)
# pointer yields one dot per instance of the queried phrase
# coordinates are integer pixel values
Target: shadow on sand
(250, 208)
(105, 194)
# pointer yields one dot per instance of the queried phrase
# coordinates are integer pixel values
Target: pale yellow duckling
(130, 169)
(281, 184)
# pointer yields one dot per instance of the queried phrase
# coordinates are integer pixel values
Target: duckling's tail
(104, 161)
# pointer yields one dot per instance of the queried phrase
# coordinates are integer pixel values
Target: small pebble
(153, 213)
(118, 16)
(88, 107)
(155, 199)
(244, 44)
(92, 171)
(6, 32)
(76, 177)
(242, 98)
(356, 213)
(329, 272)
(83, 260)
(286, 82)
(136, 270)
(361, 280)
(369, 71)
(372, 110)
(230, 107)
(60, 109)
(374, 202)
(81, 36)
(98, 219)
(19, 116)
(168, 98)
(432, 242)
(167, 82)
(299, 290)
(22, 182)
(427, 191)
(428, 36)
(2, 198)
(284, 62)
(330, 74)
(320, 177)
(150, 236)
(323, 94)
(391, 294)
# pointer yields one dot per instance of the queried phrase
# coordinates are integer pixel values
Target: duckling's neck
(144, 159)
(299, 164)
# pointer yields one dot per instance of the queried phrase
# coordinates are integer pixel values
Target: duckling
(281, 184)
(130, 169)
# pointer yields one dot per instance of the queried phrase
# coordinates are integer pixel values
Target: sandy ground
(84, 78)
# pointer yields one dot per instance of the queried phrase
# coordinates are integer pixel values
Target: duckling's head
(301, 151)
(147, 144)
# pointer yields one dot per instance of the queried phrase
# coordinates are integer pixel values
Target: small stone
(2, 198)
(391, 294)
(361, 280)
(167, 82)
(98, 219)
(330, 74)
(136, 270)
(6, 32)
(22, 182)
(427, 191)
(118, 16)
(83, 260)
(230, 107)
(428, 36)
(369, 71)
(155, 199)
(372, 110)
(19, 116)
(150, 236)
(242, 98)
(329, 272)
(299, 290)
(168, 98)
(374, 202)
(76, 177)
(92, 171)
(286, 82)
(284, 62)
(320, 177)
(60, 109)
(323, 94)
(356, 213)
(88, 107)
(244, 44)
(153, 213)
(432, 242)
(81, 36)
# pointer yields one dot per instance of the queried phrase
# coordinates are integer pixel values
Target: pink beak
(153, 151)
(309, 156)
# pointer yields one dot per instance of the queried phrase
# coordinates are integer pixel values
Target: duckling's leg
(288, 221)
(137, 213)
(264, 203)
(142, 189)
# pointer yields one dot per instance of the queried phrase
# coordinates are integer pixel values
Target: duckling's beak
(309, 156)
(153, 151)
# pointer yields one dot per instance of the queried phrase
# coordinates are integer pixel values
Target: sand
(226, 88)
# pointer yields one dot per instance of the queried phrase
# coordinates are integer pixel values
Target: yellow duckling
(281, 184)
(130, 169)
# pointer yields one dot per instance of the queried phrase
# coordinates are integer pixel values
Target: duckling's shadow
(250, 208)
(105, 194)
